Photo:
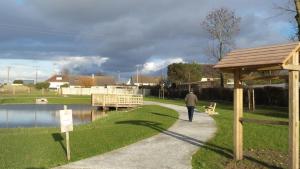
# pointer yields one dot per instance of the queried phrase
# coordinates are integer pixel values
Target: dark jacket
(191, 99)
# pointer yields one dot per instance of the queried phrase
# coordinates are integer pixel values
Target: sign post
(66, 125)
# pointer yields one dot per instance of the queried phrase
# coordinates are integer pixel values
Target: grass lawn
(265, 146)
(45, 147)
(25, 99)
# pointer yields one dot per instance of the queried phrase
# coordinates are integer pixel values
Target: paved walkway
(170, 149)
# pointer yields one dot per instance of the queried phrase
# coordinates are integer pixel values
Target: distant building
(88, 81)
(74, 81)
(28, 82)
(143, 80)
(56, 81)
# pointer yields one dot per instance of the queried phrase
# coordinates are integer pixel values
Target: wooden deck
(116, 100)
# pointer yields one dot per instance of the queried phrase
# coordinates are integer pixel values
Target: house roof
(58, 78)
(96, 81)
(146, 79)
(267, 56)
(77, 80)
(105, 80)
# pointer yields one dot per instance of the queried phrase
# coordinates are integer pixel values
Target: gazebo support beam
(291, 67)
(294, 114)
(238, 113)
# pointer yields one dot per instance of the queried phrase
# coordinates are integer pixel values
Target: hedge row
(273, 96)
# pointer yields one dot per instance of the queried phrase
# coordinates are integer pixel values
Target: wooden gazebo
(242, 63)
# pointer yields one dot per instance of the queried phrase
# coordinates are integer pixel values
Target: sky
(113, 37)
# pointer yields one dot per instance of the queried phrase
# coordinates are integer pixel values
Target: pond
(44, 115)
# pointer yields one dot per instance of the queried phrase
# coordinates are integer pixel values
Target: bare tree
(222, 25)
(292, 7)
(297, 16)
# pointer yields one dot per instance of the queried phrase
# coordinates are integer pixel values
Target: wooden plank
(246, 65)
(249, 62)
(238, 113)
(294, 115)
(253, 100)
(253, 77)
(115, 100)
(275, 54)
(68, 146)
(267, 48)
(258, 56)
(251, 68)
(260, 52)
(291, 67)
(264, 122)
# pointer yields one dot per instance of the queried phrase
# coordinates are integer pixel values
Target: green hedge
(273, 96)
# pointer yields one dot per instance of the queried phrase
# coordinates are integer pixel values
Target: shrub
(42, 85)
(273, 96)
(64, 85)
(18, 82)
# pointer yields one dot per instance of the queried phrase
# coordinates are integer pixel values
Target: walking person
(191, 101)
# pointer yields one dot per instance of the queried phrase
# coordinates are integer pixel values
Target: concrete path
(170, 149)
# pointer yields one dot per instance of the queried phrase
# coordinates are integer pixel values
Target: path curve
(171, 149)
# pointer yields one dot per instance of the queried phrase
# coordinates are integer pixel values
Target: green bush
(42, 85)
(18, 82)
(272, 96)
(64, 85)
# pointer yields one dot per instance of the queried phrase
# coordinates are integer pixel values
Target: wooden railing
(116, 100)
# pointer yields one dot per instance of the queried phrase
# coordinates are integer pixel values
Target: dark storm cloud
(127, 32)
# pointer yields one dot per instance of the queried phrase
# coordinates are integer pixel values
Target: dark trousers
(190, 112)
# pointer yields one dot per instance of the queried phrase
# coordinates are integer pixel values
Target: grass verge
(45, 147)
(265, 146)
(51, 99)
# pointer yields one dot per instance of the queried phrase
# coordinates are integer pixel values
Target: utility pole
(36, 74)
(189, 81)
(119, 76)
(8, 70)
(54, 67)
(137, 73)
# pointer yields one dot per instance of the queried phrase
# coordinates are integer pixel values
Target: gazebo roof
(267, 57)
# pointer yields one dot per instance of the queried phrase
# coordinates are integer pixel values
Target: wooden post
(103, 102)
(67, 141)
(253, 100)
(294, 114)
(238, 113)
(68, 146)
(249, 99)
(14, 90)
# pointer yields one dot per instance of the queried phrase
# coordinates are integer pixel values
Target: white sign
(66, 120)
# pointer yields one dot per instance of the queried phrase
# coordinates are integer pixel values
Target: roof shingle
(258, 57)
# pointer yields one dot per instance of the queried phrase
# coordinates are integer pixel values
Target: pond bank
(45, 147)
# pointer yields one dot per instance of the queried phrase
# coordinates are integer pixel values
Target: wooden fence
(100, 90)
(116, 100)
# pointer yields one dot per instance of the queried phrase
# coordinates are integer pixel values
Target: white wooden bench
(210, 109)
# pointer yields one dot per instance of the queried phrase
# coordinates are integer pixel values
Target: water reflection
(12, 116)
